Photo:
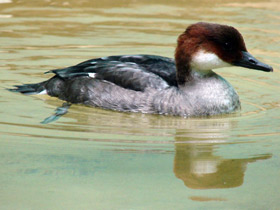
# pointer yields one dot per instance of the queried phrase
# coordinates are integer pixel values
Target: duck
(185, 86)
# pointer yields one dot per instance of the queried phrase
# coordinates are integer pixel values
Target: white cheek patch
(92, 75)
(204, 61)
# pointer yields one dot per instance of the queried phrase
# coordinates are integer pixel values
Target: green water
(97, 159)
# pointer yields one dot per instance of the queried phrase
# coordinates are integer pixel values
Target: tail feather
(30, 89)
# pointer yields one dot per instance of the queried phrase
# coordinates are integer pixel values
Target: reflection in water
(197, 165)
(196, 142)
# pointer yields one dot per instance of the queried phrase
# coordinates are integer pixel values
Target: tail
(30, 89)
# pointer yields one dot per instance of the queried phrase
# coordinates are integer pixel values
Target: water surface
(98, 159)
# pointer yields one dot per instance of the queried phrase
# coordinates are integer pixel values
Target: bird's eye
(227, 46)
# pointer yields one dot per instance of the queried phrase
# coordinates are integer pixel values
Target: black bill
(249, 61)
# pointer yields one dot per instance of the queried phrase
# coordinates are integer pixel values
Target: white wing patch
(203, 61)
(133, 56)
(43, 92)
(92, 75)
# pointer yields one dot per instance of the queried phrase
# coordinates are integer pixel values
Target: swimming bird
(186, 86)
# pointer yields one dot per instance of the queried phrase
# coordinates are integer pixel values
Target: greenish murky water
(97, 159)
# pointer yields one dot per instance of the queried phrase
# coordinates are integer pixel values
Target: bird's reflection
(197, 165)
(197, 141)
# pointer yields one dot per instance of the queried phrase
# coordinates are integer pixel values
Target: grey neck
(211, 92)
(206, 93)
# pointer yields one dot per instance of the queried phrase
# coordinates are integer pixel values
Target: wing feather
(135, 72)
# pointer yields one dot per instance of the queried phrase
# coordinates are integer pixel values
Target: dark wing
(136, 72)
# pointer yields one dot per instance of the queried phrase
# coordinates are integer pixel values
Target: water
(97, 159)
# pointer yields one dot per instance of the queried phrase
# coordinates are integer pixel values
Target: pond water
(97, 159)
